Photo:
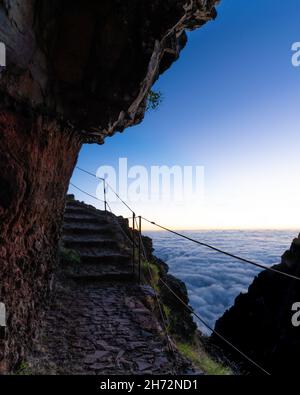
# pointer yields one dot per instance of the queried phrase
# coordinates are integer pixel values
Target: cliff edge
(260, 321)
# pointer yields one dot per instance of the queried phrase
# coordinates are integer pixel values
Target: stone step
(76, 209)
(96, 272)
(104, 258)
(86, 243)
(80, 214)
(75, 206)
(75, 203)
(105, 277)
(82, 247)
(87, 238)
(94, 269)
(83, 228)
(73, 218)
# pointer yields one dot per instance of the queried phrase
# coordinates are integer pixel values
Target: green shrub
(150, 274)
(24, 370)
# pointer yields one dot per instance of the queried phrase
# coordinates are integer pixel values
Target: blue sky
(231, 104)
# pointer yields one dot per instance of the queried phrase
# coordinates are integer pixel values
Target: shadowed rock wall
(260, 322)
(37, 159)
(77, 71)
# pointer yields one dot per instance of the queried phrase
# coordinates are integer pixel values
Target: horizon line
(226, 228)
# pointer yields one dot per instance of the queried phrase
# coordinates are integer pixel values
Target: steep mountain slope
(260, 322)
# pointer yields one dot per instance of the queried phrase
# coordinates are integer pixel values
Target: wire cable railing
(142, 251)
(234, 256)
(203, 322)
(216, 332)
(261, 266)
(159, 303)
(86, 193)
(109, 186)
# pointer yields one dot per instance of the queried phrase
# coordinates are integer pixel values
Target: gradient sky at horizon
(231, 104)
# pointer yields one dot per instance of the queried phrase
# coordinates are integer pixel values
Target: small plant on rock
(69, 256)
(155, 98)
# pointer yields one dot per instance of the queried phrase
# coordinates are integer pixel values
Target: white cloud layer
(214, 280)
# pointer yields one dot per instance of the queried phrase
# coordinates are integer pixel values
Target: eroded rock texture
(260, 322)
(77, 72)
(37, 159)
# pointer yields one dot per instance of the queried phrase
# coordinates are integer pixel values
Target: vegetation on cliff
(190, 342)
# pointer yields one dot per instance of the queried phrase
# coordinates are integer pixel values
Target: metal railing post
(133, 242)
(140, 248)
(105, 201)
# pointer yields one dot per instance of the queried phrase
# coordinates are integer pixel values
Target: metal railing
(138, 246)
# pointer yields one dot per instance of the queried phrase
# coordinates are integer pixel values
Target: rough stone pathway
(100, 321)
(92, 329)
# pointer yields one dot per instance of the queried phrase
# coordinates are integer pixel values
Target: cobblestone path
(103, 329)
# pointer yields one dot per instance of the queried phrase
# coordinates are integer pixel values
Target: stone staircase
(104, 248)
(100, 321)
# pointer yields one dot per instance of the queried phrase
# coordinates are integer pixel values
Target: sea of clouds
(214, 280)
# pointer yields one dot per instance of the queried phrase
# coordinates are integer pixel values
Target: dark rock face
(260, 322)
(93, 62)
(37, 159)
(77, 71)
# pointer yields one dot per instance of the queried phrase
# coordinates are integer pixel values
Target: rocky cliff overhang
(92, 63)
(77, 71)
